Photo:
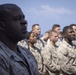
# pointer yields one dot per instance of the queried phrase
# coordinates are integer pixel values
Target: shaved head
(7, 8)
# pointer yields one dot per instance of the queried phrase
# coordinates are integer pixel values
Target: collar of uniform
(66, 44)
(11, 54)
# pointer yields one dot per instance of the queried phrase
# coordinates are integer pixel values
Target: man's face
(57, 29)
(37, 30)
(15, 25)
(54, 37)
(74, 28)
(70, 34)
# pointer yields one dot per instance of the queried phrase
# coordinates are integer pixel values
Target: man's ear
(2, 26)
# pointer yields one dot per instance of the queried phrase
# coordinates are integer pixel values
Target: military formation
(55, 51)
(26, 53)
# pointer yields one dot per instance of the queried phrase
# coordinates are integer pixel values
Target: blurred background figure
(32, 39)
(67, 52)
(49, 54)
(36, 30)
(56, 27)
(45, 37)
(74, 29)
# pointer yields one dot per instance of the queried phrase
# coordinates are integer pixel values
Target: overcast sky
(47, 12)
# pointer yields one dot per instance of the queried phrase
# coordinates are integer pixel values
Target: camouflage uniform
(39, 44)
(59, 41)
(37, 53)
(74, 41)
(45, 42)
(49, 54)
(67, 58)
(23, 43)
(20, 63)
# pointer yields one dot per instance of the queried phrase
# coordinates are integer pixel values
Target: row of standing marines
(54, 51)
(25, 53)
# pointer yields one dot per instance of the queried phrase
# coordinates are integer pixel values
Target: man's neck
(9, 43)
(68, 41)
(32, 45)
(52, 43)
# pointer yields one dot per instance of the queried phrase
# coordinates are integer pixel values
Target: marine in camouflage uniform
(37, 54)
(31, 39)
(67, 52)
(67, 58)
(49, 54)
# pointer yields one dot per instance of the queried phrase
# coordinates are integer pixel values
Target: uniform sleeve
(72, 52)
(3, 68)
(69, 69)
